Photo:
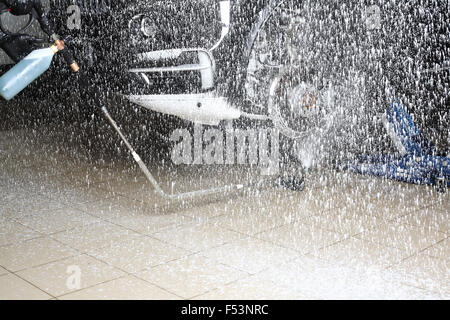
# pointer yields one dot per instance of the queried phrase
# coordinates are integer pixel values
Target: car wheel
(307, 71)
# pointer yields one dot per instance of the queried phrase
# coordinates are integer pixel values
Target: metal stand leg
(152, 180)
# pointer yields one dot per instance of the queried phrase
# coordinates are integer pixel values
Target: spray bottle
(31, 67)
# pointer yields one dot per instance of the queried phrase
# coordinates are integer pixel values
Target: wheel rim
(299, 96)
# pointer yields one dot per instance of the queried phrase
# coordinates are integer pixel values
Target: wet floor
(74, 226)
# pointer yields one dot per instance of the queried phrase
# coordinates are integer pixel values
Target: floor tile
(33, 253)
(425, 272)
(127, 288)
(3, 271)
(4, 220)
(325, 178)
(434, 219)
(381, 206)
(136, 188)
(350, 222)
(302, 237)
(247, 224)
(346, 236)
(90, 237)
(87, 176)
(48, 222)
(207, 212)
(111, 208)
(426, 197)
(265, 211)
(14, 288)
(317, 201)
(252, 288)
(10, 192)
(138, 254)
(404, 237)
(250, 255)
(75, 195)
(197, 236)
(35, 182)
(29, 204)
(311, 277)
(360, 254)
(440, 250)
(148, 223)
(12, 232)
(191, 276)
(60, 277)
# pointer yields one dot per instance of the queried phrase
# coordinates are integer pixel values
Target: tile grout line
(30, 283)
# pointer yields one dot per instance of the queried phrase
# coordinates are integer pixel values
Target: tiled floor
(76, 227)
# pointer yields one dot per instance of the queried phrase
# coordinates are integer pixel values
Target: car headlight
(147, 26)
(142, 25)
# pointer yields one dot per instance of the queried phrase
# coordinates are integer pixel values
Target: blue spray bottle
(27, 70)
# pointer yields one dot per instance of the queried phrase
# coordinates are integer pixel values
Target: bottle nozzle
(54, 48)
(75, 67)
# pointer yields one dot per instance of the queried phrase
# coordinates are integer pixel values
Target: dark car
(319, 71)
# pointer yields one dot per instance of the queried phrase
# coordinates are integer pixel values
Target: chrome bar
(155, 184)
